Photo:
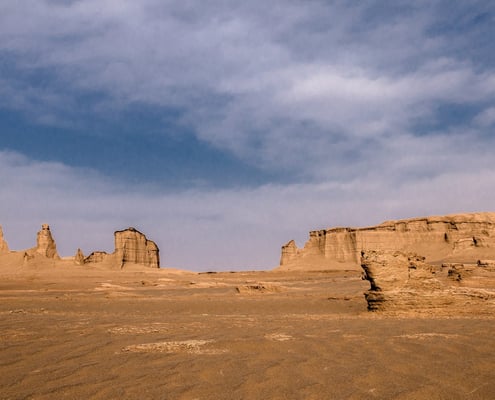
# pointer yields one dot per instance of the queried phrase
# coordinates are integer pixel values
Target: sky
(224, 129)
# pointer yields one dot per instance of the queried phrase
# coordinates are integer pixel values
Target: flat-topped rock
(459, 237)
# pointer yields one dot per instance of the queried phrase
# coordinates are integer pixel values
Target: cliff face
(461, 237)
(405, 282)
(4, 248)
(131, 246)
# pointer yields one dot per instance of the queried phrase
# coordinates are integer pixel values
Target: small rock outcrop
(132, 246)
(405, 282)
(454, 238)
(97, 257)
(79, 257)
(4, 248)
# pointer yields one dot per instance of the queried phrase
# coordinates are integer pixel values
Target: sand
(76, 333)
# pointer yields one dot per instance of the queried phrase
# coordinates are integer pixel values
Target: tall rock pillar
(4, 248)
(45, 245)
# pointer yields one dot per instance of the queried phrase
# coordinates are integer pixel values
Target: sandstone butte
(131, 248)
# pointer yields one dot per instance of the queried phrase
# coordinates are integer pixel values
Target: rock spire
(4, 248)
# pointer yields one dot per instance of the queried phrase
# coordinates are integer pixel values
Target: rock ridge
(463, 237)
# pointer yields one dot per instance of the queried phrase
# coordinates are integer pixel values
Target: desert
(73, 327)
(280, 199)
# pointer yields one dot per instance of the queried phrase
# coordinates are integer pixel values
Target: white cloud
(485, 118)
(323, 73)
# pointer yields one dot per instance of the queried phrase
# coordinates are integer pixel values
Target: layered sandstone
(4, 248)
(132, 246)
(461, 237)
(405, 282)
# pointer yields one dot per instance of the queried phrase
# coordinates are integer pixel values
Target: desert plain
(79, 332)
(336, 320)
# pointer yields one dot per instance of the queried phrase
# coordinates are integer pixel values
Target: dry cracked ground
(73, 333)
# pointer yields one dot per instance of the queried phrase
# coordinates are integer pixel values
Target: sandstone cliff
(405, 282)
(4, 248)
(460, 237)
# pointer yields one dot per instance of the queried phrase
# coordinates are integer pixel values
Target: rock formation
(79, 257)
(45, 245)
(131, 246)
(405, 282)
(4, 248)
(460, 238)
(98, 257)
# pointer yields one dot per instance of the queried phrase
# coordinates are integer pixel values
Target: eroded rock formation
(132, 246)
(405, 282)
(79, 257)
(461, 238)
(98, 257)
(4, 248)
(45, 244)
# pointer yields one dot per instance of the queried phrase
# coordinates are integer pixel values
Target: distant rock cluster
(131, 247)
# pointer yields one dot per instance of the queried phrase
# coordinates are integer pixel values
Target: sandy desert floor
(73, 333)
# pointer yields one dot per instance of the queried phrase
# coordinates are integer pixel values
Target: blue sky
(224, 129)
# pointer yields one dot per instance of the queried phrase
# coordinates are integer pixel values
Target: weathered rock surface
(405, 282)
(457, 238)
(98, 257)
(79, 257)
(132, 246)
(4, 248)
(45, 244)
